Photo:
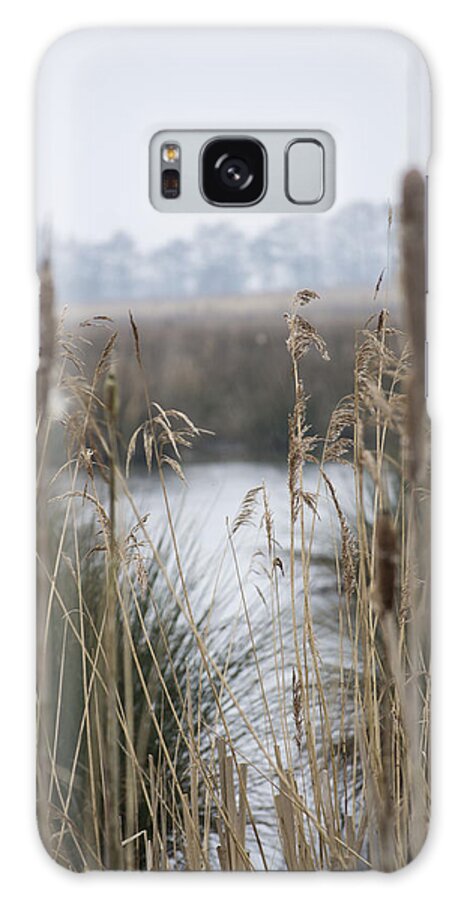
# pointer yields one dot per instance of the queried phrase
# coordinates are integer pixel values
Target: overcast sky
(102, 94)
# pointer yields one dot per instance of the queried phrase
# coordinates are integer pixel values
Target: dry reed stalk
(414, 282)
(302, 336)
(130, 774)
(300, 854)
(47, 352)
(113, 854)
(90, 715)
(46, 317)
(385, 598)
(231, 825)
(418, 511)
(47, 336)
(195, 848)
(44, 600)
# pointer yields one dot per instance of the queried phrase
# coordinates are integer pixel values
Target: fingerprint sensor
(304, 171)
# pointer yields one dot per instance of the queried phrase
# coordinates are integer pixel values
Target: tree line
(350, 247)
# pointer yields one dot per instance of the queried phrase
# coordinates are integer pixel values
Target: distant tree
(288, 253)
(118, 258)
(347, 247)
(78, 272)
(220, 259)
(170, 271)
(357, 244)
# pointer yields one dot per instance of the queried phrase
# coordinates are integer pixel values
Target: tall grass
(171, 738)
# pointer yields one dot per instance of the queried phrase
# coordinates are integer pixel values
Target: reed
(186, 724)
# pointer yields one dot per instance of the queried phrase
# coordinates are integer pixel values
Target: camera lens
(233, 171)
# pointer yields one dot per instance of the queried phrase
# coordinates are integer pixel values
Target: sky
(103, 93)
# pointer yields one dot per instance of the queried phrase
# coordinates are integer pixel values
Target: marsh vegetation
(264, 704)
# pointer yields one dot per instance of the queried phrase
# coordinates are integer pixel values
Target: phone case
(232, 464)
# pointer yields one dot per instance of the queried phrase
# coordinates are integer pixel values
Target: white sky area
(103, 93)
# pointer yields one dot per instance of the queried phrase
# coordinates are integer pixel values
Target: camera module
(233, 171)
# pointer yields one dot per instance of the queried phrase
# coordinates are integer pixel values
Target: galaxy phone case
(233, 451)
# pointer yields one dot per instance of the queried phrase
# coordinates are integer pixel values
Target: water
(234, 578)
(214, 491)
(204, 510)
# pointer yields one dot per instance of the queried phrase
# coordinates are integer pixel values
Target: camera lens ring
(233, 171)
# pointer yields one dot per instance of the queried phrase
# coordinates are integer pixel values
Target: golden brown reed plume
(302, 335)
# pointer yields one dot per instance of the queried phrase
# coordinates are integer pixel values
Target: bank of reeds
(166, 742)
